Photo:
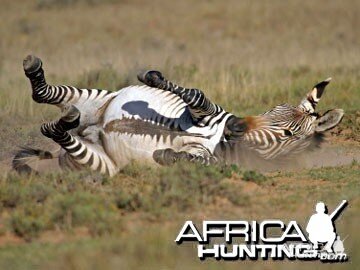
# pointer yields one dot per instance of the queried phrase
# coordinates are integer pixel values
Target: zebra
(277, 134)
(161, 122)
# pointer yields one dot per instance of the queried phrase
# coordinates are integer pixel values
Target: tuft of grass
(83, 209)
(29, 221)
(182, 187)
(10, 196)
(129, 201)
(19, 191)
(344, 173)
(254, 176)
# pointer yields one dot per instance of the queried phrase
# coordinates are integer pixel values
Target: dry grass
(246, 55)
(242, 54)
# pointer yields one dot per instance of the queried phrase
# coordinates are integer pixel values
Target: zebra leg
(200, 106)
(81, 153)
(41, 91)
(169, 156)
(60, 95)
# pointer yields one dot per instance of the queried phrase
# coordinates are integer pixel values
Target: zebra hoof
(31, 64)
(152, 78)
(165, 156)
(71, 117)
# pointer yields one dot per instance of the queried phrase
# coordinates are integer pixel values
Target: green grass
(65, 202)
(335, 173)
(139, 213)
(46, 202)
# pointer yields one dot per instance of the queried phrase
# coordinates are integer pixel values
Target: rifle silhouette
(338, 209)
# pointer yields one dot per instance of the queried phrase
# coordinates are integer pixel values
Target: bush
(254, 177)
(10, 196)
(129, 201)
(16, 193)
(182, 187)
(83, 209)
(29, 221)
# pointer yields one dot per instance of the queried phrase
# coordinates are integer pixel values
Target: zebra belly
(151, 105)
(123, 148)
(140, 120)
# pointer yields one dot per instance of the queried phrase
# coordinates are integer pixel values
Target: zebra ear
(329, 120)
(313, 97)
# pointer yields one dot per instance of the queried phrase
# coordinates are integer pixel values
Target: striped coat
(162, 122)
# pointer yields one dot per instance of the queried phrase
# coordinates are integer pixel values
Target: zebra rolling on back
(162, 122)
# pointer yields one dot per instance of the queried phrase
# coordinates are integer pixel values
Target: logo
(240, 240)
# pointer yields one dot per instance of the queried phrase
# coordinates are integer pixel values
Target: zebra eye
(288, 132)
(227, 137)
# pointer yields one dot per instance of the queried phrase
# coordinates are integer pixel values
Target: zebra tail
(22, 158)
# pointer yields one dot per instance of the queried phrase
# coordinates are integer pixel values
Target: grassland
(248, 56)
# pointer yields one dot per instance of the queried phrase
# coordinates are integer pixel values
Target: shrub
(187, 186)
(129, 201)
(254, 177)
(10, 195)
(83, 209)
(29, 221)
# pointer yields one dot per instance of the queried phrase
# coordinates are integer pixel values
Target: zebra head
(285, 129)
(327, 120)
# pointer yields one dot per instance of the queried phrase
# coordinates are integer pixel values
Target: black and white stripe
(281, 131)
(285, 130)
(58, 95)
(200, 106)
(308, 104)
(81, 153)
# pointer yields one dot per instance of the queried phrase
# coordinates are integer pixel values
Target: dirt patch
(10, 239)
(331, 155)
